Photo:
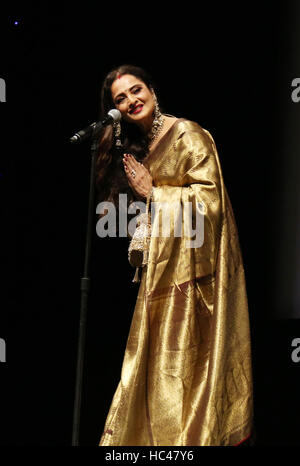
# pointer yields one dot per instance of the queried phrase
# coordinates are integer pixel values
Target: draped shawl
(186, 378)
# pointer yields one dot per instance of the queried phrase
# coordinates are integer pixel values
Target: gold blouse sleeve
(193, 198)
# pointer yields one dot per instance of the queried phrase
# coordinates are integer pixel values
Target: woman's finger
(144, 169)
(127, 161)
(129, 174)
(134, 168)
(131, 162)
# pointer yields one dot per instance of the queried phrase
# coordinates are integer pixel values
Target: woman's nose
(131, 99)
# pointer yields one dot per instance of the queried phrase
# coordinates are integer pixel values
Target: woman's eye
(134, 91)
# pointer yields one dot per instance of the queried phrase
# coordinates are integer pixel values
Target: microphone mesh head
(115, 114)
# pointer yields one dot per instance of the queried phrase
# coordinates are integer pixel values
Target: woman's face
(134, 100)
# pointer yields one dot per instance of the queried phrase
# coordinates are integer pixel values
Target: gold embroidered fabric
(186, 378)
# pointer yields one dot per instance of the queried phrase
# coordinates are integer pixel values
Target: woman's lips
(137, 109)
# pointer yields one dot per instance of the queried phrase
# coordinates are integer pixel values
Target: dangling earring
(158, 121)
(157, 112)
(117, 134)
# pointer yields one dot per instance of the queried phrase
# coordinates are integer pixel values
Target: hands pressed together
(138, 176)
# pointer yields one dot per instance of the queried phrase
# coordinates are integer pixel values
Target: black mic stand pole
(85, 288)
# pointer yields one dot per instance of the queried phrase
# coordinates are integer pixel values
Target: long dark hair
(110, 176)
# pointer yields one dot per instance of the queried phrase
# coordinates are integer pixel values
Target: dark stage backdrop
(230, 69)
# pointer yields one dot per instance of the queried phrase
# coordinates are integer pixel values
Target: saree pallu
(186, 378)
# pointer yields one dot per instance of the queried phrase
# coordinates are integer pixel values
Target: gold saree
(186, 378)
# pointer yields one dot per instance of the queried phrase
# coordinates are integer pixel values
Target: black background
(224, 67)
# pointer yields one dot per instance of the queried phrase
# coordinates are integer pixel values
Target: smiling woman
(134, 100)
(130, 90)
(186, 376)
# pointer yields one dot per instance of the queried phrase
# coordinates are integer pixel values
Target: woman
(186, 375)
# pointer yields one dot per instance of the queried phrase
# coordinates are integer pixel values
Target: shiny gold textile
(186, 377)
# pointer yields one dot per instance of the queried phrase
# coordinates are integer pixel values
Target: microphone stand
(85, 288)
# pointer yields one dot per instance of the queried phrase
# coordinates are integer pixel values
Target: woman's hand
(138, 176)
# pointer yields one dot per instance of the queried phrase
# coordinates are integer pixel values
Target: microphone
(113, 116)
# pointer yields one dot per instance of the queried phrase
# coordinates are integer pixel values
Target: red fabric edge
(244, 439)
